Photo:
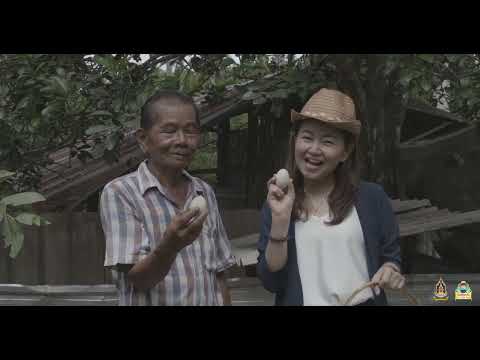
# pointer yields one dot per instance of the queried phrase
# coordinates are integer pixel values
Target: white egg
(199, 202)
(282, 179)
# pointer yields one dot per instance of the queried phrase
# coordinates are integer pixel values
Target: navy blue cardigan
(380, 231)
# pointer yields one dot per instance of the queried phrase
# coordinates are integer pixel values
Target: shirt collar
(147, 180)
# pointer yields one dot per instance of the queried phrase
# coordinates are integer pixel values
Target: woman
(327, 233)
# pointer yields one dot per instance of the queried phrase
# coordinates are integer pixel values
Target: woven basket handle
(411, 299)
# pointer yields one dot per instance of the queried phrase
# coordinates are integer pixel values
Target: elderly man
(163, 252)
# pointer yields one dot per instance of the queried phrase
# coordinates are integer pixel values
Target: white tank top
(331, 260)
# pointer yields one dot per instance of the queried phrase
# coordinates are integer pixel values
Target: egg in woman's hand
(282, 179)
(199, 202)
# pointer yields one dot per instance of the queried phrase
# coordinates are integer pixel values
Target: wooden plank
(417, 213)
(81, 250)
(236, 107)
(457, 141)
(395, 202)
(87, 259)
(223, 135)
(4, 262)
(57, 252)
(99, 295)
(430, 132)
(436, 215)
(26, 266)
(423, 215)
(453, 221)
(409, 205)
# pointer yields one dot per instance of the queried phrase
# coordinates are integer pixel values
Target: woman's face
(319, 149)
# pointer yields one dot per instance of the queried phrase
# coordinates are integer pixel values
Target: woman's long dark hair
(342, 197)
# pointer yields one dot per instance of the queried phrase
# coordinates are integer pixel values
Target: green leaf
(5, 174)
(37, 221)
(427, 57)
(464, 82)
(406, 77)
(452, 58)
(48, 110)
(61, 84)
(390, 65)
(112, 141)
(25, 198)
(3, 211)
(100, 113)
(104, 61)
(31, 219)
(23, 103)
(141, 99)
(7, 230)
(466, 93)
(426, 85)
(17, 243)
(26, 218)
(3, 90)
(117, 104)
(96, 129)
(473, 101)
(46, 89)
(228, 61)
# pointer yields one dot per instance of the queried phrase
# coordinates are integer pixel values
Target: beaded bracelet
(279, 240)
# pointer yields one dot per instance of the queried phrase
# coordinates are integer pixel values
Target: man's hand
(388, 277)
(181, 232)
(184, 229)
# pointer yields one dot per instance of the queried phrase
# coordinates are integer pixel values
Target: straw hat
(331, 107)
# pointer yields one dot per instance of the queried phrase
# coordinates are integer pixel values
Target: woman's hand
(389, 277)
(280, 201)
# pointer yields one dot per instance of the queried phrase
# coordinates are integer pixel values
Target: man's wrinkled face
(174, 137)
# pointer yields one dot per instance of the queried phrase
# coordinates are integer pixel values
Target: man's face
(174, 137)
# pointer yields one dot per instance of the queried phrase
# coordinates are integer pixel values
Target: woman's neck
(319, 188)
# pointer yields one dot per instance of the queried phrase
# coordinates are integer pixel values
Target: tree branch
(152, 63)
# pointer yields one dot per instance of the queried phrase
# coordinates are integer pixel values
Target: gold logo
(440, 293)
(463, 291)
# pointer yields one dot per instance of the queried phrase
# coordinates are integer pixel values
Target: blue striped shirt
(135, 211)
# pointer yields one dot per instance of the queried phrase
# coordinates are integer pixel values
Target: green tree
(86, 103)
(15, 212)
